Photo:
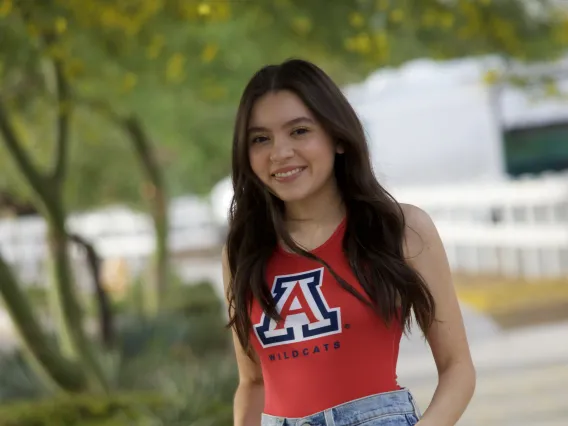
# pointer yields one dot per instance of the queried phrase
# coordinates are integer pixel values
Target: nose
(282, 150)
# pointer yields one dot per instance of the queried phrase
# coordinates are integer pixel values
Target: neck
(324, 208)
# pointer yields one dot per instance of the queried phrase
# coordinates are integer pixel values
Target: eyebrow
(287, 124)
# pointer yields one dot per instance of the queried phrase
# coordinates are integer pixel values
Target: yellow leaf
(383, 48)
(204, 9)
(551, 88)
(108, 17)
(356, 20)
(302, 25)
(129, 82)
(381, 39)
(23, 130)
(561, 31)
(56, 51)
(429, 19)
(448, 20)
(223, 11)
(60, 25)
(360, 44)
(131, 27)
(33, 31)
(209, 53)
(74, 68)
(213, 92)
(5, 8)
(397, 15)
(175, 68)
(187, 11)
(155, 47)
(383, 4)
(491, 77)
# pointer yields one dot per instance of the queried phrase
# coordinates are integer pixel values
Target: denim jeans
(396, 408)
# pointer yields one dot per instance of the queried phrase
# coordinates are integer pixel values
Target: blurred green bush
(84, 410)
(17, 381)
(172, 370)
(192, 323)
(183, 394)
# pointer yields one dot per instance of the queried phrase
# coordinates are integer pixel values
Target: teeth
(290, 173)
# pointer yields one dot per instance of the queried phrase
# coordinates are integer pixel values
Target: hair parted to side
(373, 241)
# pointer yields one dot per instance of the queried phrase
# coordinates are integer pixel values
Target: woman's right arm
(249, 397)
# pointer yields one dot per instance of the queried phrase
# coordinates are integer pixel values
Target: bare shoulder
(224, 256)
(420, 234)
(225, 267)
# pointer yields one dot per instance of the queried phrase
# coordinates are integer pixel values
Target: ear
(339, 149)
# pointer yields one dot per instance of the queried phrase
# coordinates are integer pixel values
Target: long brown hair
(374, 235)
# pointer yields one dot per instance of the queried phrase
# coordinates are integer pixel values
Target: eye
(258, 139)
(300, 131)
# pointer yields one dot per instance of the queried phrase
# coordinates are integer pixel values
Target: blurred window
(536, 149)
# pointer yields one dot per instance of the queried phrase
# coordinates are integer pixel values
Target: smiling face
(289, 151)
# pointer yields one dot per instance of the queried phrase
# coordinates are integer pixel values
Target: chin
(292, 196)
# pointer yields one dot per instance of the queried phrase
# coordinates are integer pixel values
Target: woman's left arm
(447, 336)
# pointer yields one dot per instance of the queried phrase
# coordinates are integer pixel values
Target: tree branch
(137, 134)
(15, 148)
(48, 361)
(105, 314)
(100, 107)
(143, 148)
(62, 135)
(147, 157)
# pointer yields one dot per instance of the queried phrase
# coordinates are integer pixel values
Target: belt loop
(329, 421)
(414, 405)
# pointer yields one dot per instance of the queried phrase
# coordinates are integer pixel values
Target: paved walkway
(522, 377)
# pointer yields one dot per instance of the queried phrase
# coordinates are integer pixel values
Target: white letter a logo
(304, 311)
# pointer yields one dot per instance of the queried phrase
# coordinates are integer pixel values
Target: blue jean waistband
(354, 412)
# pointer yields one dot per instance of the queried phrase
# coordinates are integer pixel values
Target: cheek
(322, 153)
(258, 163)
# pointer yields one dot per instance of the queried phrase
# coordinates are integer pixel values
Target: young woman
(323, 268)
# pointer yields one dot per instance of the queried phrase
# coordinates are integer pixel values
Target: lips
(288, 173)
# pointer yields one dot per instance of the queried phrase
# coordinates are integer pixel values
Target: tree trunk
(56, 372)
(155, 293)
(78, 347)
(48, 191)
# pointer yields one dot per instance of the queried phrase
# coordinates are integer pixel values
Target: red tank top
(329, 348)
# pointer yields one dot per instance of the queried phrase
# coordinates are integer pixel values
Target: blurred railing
(510, 228)
(514, 250)
(119, 235)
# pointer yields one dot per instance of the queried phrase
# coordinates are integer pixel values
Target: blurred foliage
(83, 410)
(191, 326)
(198, 400)
(17, 380)
(176, 369)
(180, 66)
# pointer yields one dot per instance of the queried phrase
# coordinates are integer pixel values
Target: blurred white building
(439, 122)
